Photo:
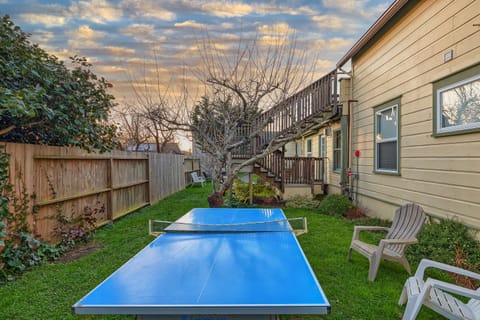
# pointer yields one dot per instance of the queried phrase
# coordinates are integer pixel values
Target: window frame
(337, 150)
(309, 147)
(395, 103)
(458, 79)
(322, 146)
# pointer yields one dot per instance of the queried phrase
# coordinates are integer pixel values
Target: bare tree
(131, 127)
(255, 76)
(242, 81)
(154, 110)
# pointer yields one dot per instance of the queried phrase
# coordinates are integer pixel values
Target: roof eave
(372, 31)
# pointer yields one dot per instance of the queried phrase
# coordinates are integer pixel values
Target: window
(386, 138)
(457, 103)
(337, 150)
(321, 146)
(309, 147)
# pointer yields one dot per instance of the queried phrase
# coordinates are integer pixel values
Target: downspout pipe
(350, 147)
(346, 146)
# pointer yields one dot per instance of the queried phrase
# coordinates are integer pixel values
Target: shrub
(77, 228)
(447, 241)
(234, 202)
(260, 189)
(335, 205)
(302, 202)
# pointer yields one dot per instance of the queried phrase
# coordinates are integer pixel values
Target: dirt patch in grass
(80, 250)
(355, 213)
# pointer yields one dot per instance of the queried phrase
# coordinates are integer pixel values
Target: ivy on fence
(20, 248)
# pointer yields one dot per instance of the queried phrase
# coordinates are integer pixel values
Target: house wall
(290, 149)
(332, 178)
(442, 174)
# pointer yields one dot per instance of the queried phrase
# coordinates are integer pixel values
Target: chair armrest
(384, 242)
(357, 229)
(452, 288)
(426, 263)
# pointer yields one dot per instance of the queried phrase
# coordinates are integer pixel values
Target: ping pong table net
(296, 225)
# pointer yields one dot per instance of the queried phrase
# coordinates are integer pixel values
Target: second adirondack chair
(407, 222)
(197, 179)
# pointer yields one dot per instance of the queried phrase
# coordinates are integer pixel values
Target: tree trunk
(215, 200)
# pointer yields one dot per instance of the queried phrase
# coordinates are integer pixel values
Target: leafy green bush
(302, 202)
(45, 102)
(234, 202)
(261, 188)
(25, 253)
(444, 241)
(335, 205)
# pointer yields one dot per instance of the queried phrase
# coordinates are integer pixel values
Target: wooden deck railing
(302, 170)
(293, 170)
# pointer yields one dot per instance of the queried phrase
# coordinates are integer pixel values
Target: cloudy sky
(126, 39)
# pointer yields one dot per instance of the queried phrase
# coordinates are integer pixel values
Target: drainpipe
(349, 132)
(343, 175)
(346, 140)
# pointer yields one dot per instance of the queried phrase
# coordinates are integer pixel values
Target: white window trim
(439, 111)
(339, 150)
(309, 143)
(322, 147)
(377, 169)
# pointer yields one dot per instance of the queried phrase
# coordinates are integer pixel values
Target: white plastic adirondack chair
(407, 222)
(436, 294)
(197, 179)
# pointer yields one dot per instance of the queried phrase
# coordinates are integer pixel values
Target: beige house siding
(442, 174)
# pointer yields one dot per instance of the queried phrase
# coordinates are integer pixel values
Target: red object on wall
(357, 153)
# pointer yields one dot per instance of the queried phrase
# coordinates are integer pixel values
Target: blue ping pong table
(257, 273)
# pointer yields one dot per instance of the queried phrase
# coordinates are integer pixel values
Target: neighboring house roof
(381, 22)
(170, 147)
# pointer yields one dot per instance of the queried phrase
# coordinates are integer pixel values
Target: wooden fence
(68, 180)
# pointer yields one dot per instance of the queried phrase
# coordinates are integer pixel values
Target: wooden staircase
(305, 109)
(308, 107)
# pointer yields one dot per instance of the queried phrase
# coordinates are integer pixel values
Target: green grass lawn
(50, 291)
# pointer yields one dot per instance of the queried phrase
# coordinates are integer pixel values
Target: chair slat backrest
(195, 177)
(407, 222)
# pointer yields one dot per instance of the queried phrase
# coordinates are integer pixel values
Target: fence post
(149, 179)
(110, 189)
